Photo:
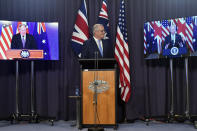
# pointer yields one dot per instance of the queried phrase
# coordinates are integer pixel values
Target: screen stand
(171, 113)
(187, 90)
(33, 117)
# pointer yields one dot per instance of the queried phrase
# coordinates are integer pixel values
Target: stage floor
(66, 126)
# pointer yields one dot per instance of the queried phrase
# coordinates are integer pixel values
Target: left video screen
(29, 40)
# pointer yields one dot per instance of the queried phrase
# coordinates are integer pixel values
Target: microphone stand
(95, 128)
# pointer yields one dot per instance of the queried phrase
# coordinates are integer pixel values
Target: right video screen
(170, 38)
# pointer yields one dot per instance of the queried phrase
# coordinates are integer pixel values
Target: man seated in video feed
(174, 43)
(22, 40)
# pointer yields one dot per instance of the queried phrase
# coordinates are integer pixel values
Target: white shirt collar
(97, 42)
(24, 36)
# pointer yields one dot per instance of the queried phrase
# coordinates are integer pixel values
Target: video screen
(170, 38)
(29, 40)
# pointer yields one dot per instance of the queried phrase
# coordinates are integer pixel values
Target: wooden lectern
(104, 114)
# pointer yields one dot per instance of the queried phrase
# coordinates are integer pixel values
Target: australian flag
(151, 46)
(195, 33)
(41, 38)
(103, 18)
(81, 32)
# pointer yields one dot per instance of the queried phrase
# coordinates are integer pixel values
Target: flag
(145, 39)
(40, 35)
(103, 18)
(122, 54)
(195, 32)
(5, 40)
(19, 23)
(165, 29)
(189, 32)
(150, 45)
(157, 26)
(80, 32)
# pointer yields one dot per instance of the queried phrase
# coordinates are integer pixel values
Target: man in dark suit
(23, 40)
(97, 45)
(173, 39)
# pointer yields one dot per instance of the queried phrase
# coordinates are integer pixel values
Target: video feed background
(155, 33)
(45, 34)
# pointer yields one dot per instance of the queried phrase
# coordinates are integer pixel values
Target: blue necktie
(100, 47)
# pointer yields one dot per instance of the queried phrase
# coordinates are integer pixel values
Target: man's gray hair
(95, 27)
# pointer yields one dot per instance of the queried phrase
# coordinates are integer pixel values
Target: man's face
(100, 32)
(22, 30)
(173, 30)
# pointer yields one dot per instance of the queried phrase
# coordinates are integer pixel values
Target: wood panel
(106, 100)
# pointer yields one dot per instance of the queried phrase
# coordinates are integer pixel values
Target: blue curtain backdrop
(56, 80)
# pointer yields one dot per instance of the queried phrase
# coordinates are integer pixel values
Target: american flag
(103, 18)
(80, 32)
(122, 54)
(189, 32)
(5, 40)
(165, 29)
(145, 40)
(19, 23)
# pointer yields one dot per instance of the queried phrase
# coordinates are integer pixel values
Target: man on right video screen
(174, 44)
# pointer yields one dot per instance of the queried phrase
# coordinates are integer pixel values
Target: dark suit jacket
(17, 42)
(90, 47)
(178, 40)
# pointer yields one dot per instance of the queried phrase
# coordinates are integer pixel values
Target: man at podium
(174, 45)
(22, 40)
(97, 45)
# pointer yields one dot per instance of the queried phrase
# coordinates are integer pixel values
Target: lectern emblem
(174, 50)
(99, 86)
(25, 54)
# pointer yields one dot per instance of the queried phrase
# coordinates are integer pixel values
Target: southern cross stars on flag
(195, 32)
(122, 54)
(41, 38)
(150, 45)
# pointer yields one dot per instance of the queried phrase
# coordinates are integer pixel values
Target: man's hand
(181, 44)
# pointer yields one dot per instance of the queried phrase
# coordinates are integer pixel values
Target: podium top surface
(103, 63)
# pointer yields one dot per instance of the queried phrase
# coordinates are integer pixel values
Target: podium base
(96, 129)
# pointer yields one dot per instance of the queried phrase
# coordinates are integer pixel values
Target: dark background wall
(56, 80)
